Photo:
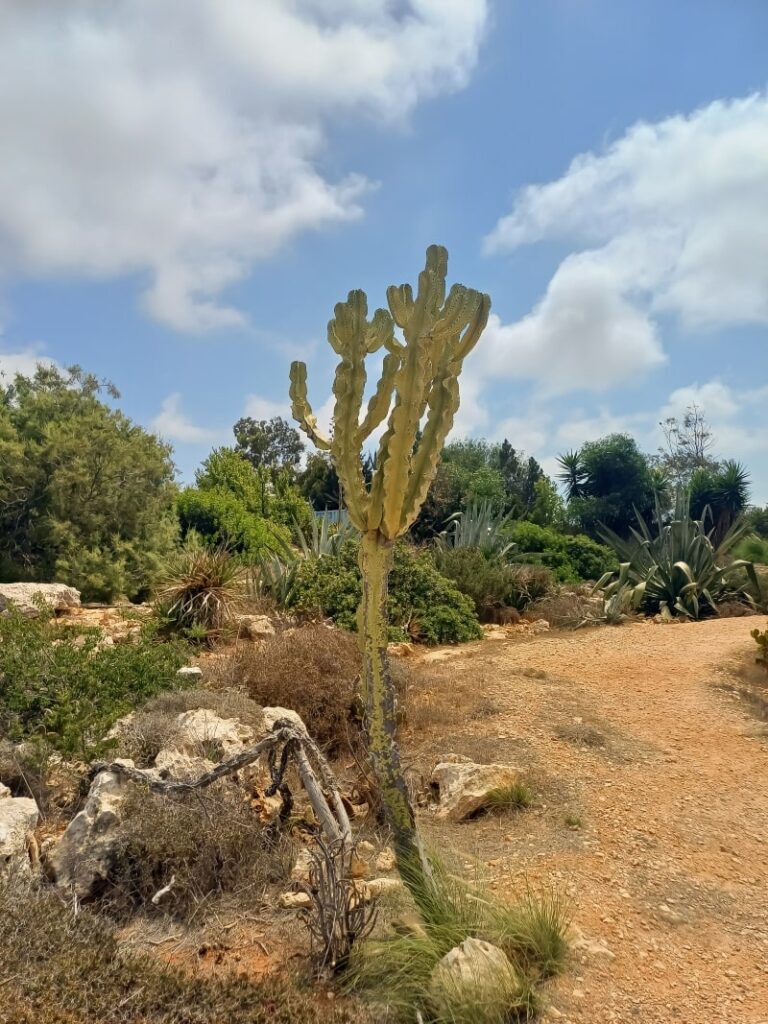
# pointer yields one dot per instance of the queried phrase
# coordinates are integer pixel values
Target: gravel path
(651, 810)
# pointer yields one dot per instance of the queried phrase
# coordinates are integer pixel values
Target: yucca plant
(679, 569)
(325, 537)
(201, 591)
(478, 526)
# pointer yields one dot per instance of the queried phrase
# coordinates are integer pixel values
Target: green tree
(688, 444)
(722, 494)
(548, 507)
(86, 496)
(273, 443)
(614, 485)
(319, 482)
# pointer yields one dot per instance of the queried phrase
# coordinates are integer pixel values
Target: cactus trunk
(379, 700)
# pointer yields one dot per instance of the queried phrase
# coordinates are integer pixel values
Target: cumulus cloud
(172, 424)
(24, 362)
(671, 218)
(182, 141)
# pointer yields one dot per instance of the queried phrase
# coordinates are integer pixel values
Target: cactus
(419, 378)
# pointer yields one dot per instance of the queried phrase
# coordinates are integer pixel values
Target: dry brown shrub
(569, 609)
(210, 844)
(312, 670)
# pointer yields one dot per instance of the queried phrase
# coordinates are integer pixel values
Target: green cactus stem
(420, 378)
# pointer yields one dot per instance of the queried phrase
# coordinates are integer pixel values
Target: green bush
(63, 687)
(753, 549)
(571, 558)
(422, 603)
(491, 583)
(221, 519)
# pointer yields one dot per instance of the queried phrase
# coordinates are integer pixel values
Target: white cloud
(671, 218)
(266, 408)
(181, 140)
(24, 362)
(173, 425)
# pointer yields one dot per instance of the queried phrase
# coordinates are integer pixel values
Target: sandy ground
(651, 811)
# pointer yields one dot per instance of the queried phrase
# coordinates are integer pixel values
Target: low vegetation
(200, 592)
(64, 688)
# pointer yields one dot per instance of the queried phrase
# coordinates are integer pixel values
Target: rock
(272, 715)
(174, 764)
(464, 787)
(81, 860)
(295, 900)
(386, 860)
(475, 971)
(540, 626)
(191, 672)
(255, 627)
(590, 947)
(198, 730)
(402, 649)
(374, 888)
(4, 791)
(26, 595)
(18, 818)
(301, 867)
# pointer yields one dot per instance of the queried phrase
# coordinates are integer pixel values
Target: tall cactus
(421, 374)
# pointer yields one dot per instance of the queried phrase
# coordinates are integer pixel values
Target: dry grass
(568, 609)
(57, 967)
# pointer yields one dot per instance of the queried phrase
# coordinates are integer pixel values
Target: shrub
(312, 670)
(571, 558)
(59, 967)
(222, 519)
(68, 689)
(492, 584)
(422, 603)
(201, 590)
(753, 549)
(205, 845)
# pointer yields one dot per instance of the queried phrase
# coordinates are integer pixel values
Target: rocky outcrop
(27, 597)
(80, 862)
(475, 971)
(464, 788)
(18, 818)
(199, 731)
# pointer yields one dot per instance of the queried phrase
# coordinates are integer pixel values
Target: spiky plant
(679, 569)
(201, 590)
(573, 474)
(478, 526)
(419, 378)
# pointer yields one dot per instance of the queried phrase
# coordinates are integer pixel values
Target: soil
(650, 813)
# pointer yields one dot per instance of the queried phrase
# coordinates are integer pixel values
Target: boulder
(80, 862)
(295, 900)
(18, 818)
(175, 765)
(255, 627)
(198, 730)
(464, 788)
(273, 715)
(193, 672)
(25, 597)
(476, 972)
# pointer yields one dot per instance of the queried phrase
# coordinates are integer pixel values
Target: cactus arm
(302, 410)
(378, 407)
(475, 328)
(349, 334)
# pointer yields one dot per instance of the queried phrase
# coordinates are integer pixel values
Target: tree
(573, 474)
(548, 507)
(86, 496)
(614, 485)
(688, 445)
(273, 443)
(722, 494)
(520, 476)
(418, 375)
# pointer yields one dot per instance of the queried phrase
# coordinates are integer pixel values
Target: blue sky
(188, 187)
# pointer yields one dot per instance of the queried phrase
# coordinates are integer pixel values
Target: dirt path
(651, 810)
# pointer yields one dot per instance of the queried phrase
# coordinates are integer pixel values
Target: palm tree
(730, 497)
(573, 474)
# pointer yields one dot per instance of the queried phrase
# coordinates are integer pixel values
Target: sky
(187, 187)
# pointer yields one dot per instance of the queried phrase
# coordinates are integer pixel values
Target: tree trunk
(379, 700)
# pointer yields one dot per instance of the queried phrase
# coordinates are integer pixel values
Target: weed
(514, 797)
(574, 821)
(761, 639)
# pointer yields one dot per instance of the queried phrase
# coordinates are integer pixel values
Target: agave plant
(478, 526)
(325, 537)
(679, 571)
(201, 591)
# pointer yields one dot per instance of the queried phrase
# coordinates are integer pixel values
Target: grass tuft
(517, 796)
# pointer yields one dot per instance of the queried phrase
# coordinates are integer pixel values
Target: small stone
(190, 672)
(295, 900)
(386, 860)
